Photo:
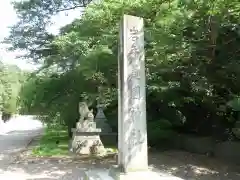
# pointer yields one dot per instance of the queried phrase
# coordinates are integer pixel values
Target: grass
(48, 145)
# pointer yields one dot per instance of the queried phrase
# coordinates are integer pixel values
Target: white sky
(8, 17)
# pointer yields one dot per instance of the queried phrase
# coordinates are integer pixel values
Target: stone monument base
(115, 175)
(87, 145)
(86, 139)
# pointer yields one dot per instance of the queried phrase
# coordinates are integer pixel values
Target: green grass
(49, 147)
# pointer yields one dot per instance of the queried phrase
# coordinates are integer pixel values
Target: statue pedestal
(86, 139)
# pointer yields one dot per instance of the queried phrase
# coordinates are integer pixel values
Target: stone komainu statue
(85, 113)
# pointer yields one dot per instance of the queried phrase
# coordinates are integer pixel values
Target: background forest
(192, 63)
(11, 80)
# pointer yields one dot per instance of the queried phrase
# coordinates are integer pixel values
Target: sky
(8, 18)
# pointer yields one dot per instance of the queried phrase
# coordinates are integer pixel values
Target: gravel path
(27, 167)
(13, 143)
(18, 135)
(181, 164)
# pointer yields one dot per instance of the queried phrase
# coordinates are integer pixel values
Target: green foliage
(11, 78)
(160, 130)
(30, 32)
(235, 104)
(192, 60)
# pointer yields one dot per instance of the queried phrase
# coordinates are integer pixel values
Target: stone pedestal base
(87, 145)
(86, 139)
(141, 175)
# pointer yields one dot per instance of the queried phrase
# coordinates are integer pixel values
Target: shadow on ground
(182, 164)
(53, 168)
(193, 167)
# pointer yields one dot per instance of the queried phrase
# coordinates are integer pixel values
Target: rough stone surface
(87, 126)
(84, 112)
(87, 145)
(86, 139)
(101, 120)
(132, 96)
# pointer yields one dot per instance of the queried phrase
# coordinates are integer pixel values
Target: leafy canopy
(192, 59)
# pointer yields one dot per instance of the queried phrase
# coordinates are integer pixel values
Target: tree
(30, 32)
(192, 52)
(11, 78)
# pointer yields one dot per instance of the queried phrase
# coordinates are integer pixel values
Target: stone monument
(101, 120)
(132, 131)
(86, 139)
